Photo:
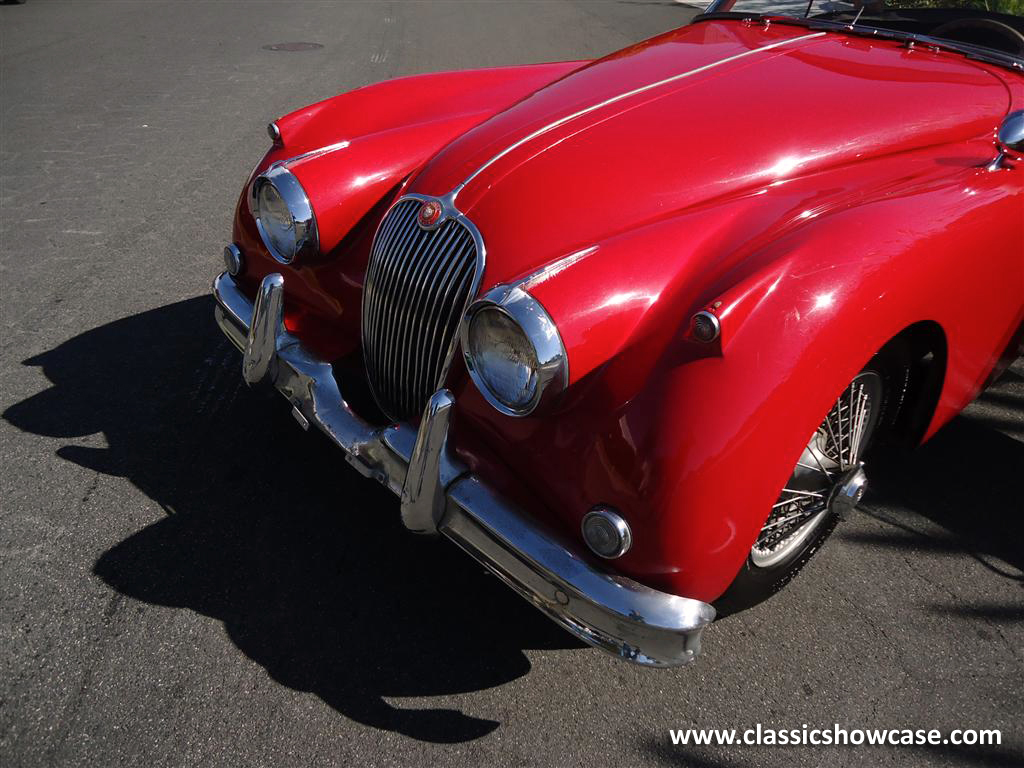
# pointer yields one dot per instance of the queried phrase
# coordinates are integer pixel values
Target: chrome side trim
(614, 613)
(619, 97)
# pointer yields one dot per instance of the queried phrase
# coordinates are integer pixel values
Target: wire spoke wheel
(833, 453)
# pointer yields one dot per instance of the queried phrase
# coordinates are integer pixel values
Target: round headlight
(277, 221)
(503, 357)
(513, 351)
(284, 215)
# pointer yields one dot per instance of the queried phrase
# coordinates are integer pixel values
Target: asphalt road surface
(188, 578)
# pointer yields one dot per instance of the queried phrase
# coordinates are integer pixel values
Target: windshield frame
(721, 9)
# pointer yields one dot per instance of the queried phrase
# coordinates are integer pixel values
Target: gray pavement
(186, 578)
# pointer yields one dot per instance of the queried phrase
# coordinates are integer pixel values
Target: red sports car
(627, 330)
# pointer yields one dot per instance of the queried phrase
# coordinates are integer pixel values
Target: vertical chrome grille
(417, 285)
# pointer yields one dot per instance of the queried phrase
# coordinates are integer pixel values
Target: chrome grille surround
(419, 282)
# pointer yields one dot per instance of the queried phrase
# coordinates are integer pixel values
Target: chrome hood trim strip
(619, 97)
(550, 270)
(313, 153)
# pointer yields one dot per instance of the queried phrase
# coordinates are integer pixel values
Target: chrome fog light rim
(233, 261)
(609, 521)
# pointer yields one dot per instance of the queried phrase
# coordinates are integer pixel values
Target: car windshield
(986, 25)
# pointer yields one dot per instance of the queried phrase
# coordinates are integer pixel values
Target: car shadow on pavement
(962, 490)
(965, 484)
(268, 530)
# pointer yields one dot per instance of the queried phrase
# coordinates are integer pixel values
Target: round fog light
(232, 259)
(606, 533)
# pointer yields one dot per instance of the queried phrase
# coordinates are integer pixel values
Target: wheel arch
(920, 352)
(793, 335)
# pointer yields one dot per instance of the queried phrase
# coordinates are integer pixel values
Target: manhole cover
(292, 47)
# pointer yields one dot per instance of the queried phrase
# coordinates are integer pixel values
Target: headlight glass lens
(503, 357)
(276, 220)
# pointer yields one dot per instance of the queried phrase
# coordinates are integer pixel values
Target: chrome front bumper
(438, 495)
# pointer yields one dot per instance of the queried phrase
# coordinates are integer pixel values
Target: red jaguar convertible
(627, 330)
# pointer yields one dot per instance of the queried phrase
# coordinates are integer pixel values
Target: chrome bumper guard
(438, 495)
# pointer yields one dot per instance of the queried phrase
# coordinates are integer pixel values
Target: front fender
(723, 432)
(692, 443)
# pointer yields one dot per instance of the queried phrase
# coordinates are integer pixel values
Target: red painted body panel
(375, 138)
(828, 192)
(667, 149)
(696, 447)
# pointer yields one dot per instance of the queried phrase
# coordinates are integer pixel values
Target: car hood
(693, 116)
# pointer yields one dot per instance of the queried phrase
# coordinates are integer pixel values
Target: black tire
(756, 583)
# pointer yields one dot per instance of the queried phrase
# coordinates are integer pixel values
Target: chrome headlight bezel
(307, 240)
(552, 370)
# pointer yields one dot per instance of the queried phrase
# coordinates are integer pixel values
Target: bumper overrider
(439, 495)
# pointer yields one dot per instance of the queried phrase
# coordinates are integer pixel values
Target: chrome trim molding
(431, 467)
(613, 613)
(540, 329)
(307, 240)
(274, 132)
(556, 267)
(619, 97)
(259, 356)
(324, 150)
